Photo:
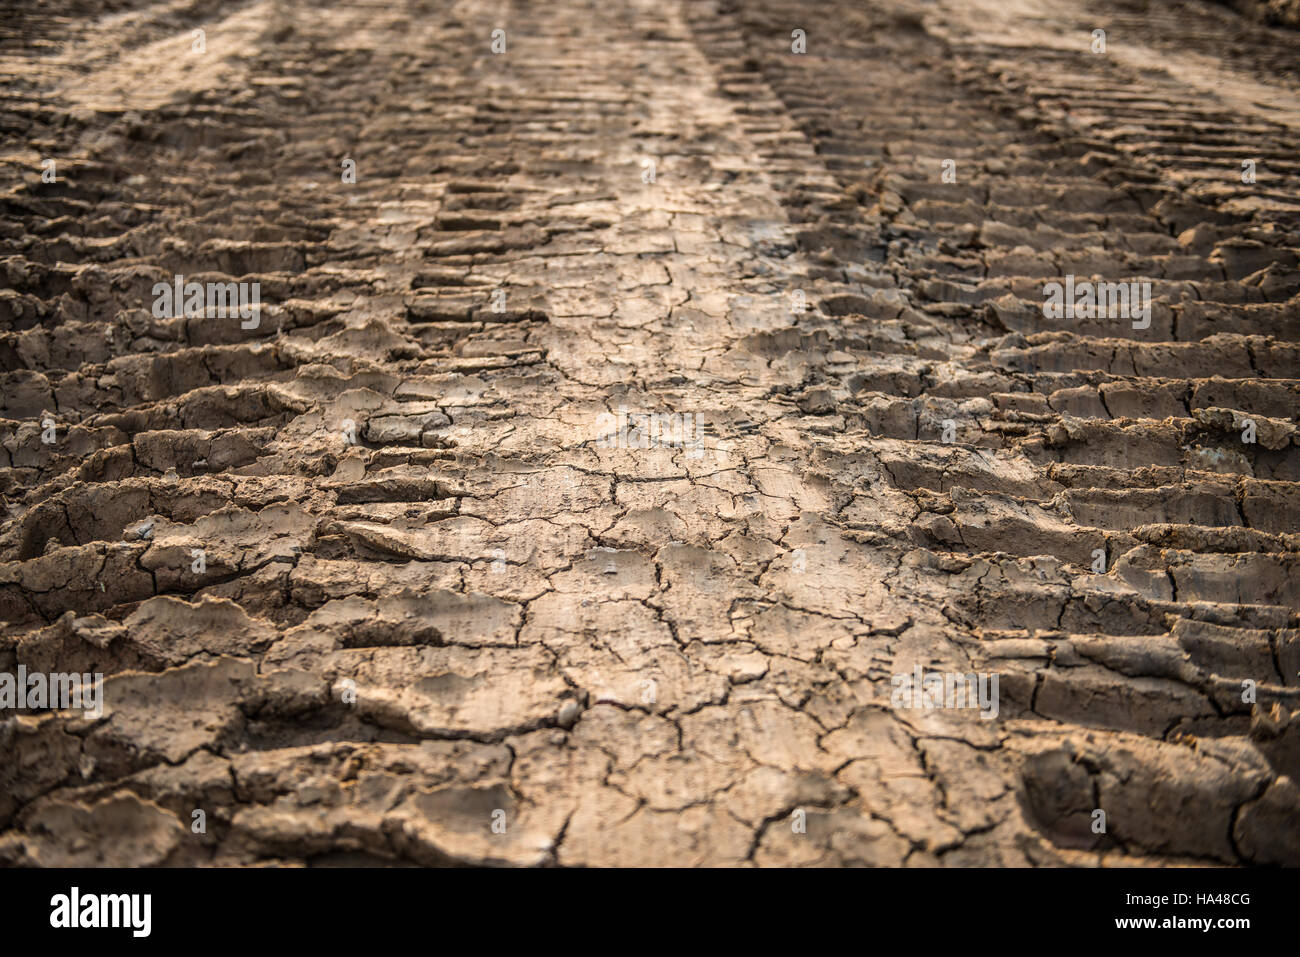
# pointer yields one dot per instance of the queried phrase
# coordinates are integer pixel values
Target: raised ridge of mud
(1284, 13)
(448, 580)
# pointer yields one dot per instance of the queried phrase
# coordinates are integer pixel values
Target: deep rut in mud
(653, 404)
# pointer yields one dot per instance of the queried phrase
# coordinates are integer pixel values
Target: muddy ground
(405, 573)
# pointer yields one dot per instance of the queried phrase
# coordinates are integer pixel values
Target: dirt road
(648, 431)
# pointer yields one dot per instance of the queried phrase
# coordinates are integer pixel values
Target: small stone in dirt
(568, 715)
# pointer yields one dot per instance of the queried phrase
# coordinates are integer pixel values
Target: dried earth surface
(431, 591)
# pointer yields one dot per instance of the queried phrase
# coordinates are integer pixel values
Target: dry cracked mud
(450, 579)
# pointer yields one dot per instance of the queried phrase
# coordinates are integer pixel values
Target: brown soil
(439, 620)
